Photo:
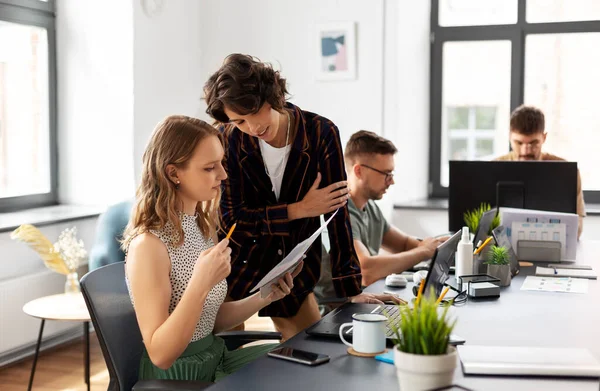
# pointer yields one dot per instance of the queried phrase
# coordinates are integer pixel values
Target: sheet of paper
(555, 284)
(290, 262)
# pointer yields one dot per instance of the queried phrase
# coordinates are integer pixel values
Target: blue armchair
(109, 232)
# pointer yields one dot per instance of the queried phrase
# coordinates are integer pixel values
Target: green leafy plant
(472, 218)
(498, 256)
(422, 329)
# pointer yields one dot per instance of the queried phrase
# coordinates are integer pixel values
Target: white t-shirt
(275, 160)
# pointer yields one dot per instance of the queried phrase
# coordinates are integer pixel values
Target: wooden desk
(518, 318)
(65, 307)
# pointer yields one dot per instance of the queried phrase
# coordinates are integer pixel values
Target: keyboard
(392, 312)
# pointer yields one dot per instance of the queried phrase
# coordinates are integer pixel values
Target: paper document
(555, 284)
(558, 272)
(571, 221)
(289, 263)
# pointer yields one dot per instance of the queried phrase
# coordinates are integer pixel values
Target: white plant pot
(418, 372)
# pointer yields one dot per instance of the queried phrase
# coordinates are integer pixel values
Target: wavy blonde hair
(173, 142)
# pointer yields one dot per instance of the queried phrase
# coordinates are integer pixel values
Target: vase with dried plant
(62, 257)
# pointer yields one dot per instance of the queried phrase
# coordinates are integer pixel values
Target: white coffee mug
(368, 333)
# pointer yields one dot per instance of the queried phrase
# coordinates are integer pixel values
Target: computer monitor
(541, 185)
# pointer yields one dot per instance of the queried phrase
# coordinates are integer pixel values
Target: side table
(66, 307)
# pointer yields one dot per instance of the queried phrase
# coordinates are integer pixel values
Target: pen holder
(478, 261)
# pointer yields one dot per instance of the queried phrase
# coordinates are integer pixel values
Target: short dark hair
(243, 84)
(364, 142)
(527, 120)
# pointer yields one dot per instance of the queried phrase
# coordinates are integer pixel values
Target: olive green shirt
(368, 225)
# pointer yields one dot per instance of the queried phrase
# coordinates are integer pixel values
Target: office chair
(109, 231)
(107, 299)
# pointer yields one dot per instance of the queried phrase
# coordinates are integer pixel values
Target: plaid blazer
(264, 235)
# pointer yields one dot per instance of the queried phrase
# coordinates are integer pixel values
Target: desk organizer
(538, 250)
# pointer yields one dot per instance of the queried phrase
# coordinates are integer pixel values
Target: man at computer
(527, 136)
(369, 162)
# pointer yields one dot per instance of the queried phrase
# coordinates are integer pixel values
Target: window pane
(458, 149)
(562, 79)
(484, 148)
(458, 117)
(24, 131)
(476, 76)
(485, 118)
(539, 11)
(477, 12)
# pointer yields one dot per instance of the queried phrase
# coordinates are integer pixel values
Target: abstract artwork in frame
(337, 51)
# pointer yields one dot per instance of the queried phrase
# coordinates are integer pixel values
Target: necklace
(279, 170)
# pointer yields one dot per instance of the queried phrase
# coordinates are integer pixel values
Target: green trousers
(204, 360)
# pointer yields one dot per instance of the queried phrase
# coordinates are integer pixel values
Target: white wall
(95, 101)
(166, 63)
(285, 34)
(407, 99)
(178, 49)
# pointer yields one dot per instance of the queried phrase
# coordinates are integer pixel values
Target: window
(27, 105)
(471, 134)
(488, 57)
(477, 12)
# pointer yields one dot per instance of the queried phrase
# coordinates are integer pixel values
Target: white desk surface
(517, 318)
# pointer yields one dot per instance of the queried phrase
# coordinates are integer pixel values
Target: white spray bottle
(464, 255)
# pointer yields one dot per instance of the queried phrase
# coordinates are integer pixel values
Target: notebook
(528, 361)
(559, 272)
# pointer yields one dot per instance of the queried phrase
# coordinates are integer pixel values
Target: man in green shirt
(369, 162)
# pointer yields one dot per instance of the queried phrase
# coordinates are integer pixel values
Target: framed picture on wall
(336, 51)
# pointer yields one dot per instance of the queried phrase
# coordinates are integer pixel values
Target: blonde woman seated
(175, 272)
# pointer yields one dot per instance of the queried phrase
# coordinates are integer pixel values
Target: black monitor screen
(541, 185)
(439, 269)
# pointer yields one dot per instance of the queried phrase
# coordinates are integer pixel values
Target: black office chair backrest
(113, 316)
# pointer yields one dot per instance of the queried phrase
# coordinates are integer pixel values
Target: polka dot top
(183, 259)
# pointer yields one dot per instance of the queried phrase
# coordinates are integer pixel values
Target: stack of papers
(289, 263)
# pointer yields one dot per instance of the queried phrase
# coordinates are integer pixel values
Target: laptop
(528, 361)
(439, 270)
(329, 326)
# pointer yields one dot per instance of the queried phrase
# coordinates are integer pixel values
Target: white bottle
(464, 255)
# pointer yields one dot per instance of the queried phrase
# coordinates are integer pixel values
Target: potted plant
(422, 355)
(498, 264)
(472, 217)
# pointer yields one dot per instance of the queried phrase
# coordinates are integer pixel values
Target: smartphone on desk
(299, 356)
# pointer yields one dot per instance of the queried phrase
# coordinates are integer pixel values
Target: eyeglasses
(389, 176)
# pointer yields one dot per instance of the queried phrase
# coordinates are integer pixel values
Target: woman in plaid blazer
(285, 169)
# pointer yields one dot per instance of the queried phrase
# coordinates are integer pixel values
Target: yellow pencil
(439, 300)
(230, 231)
(420, 291)
(483, 245)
